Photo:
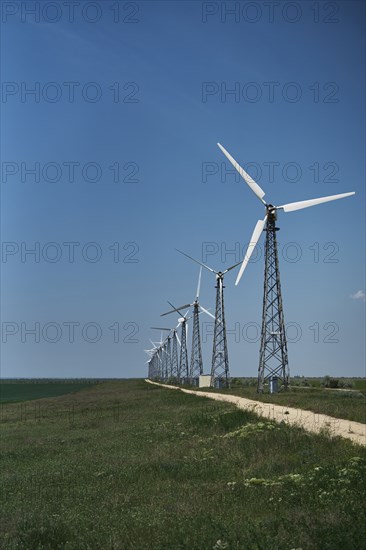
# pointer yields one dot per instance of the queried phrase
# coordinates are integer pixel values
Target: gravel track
(309, 420)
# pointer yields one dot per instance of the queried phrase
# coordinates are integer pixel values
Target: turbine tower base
(273, 361)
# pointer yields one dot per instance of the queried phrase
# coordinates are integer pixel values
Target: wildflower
(256, 481)
(220, 545)
(295, 477)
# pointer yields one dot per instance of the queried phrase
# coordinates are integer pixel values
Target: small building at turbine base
(205, 381)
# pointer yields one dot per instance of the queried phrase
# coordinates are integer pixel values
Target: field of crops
(127, 465)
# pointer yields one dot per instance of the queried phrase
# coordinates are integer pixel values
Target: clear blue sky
(298, 107)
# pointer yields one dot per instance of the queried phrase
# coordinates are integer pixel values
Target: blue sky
(143, 101)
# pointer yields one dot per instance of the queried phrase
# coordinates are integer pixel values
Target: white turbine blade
(197, 262)
(246, 177)
(208, 313)
(199, 284)
(232, 267)
(179, 309)
(177, 337)
(312, 202)
(252, 244)
(176, 309)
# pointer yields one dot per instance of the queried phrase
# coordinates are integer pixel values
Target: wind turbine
(220, 359)
(153, 362)
(183, 360)
(165, 352)
(196, 365)
(150, 362)
(273, 361)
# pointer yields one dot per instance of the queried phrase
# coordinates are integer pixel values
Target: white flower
(220, 545)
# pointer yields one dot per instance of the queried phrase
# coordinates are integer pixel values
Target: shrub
(329, 382)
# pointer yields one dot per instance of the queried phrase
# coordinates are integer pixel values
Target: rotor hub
(271, 211)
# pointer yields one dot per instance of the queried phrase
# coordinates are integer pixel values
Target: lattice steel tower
(183, 369)
(174, 358)
(156, 366)
(183, 361)
(164, 363)
(160, 364)
(162, 355)
(196, 364)
(273, 360)
(220, 358)
(168, 358)
(196, 367)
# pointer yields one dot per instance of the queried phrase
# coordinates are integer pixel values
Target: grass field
(12, 391)
(350, 405)
(127, 465)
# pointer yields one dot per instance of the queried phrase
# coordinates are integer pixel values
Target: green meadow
(127, 465)
(12, 391)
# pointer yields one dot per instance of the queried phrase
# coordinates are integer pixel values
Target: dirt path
(309, 420)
